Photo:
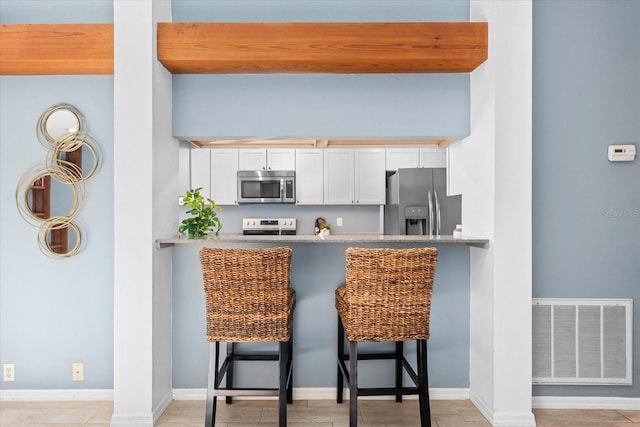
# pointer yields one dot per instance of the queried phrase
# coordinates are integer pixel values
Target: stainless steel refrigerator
(417, 203)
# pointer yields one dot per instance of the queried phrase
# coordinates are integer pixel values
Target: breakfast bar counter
(355, 238)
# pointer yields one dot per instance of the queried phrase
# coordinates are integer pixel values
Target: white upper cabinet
(401, 158)
(267, 159)
(354, 176)
(370, 176)
(309, 176)
(338, 177)
(224, 172)
(433, 157)
(281, 159)
(200, 170)
(428, 157)
(252, 159)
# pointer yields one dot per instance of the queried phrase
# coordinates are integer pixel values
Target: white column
(145, 193)
(497, 203)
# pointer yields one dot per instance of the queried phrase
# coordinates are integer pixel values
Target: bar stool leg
(290, 369)
(353, 384)
(210, 418)
(340, 381)
(282, 390)
(399, 356)
(230, 353)
(423, 376)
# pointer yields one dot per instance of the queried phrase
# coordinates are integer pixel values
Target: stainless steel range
(269, 226)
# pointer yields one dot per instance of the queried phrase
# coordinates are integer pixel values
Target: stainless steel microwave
(266, 186)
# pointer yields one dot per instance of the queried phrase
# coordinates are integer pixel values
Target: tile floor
(303, 413)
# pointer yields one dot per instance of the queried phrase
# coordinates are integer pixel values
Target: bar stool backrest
(389, 292)
(247, 293)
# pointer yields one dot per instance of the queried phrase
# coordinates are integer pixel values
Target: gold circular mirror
(58, 123)
(43, 193)
(59, 238)
(77, 156)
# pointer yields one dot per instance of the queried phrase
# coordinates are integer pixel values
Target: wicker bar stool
(248, 299)
(386, 298)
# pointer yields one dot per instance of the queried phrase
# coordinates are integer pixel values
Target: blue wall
(320, 11)
(586, 210)
(56, 11)
(55, 312)
(386, 106)
(324, 106)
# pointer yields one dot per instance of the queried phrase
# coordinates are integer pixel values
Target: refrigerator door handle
(430, 227)
(437, 212)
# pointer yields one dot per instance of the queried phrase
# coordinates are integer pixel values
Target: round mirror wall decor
(57, 122)
(82, 144)
(49, 195)
(35, 210)
(49, 240)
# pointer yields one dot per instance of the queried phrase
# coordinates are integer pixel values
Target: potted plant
(204, 217)
(325, 229)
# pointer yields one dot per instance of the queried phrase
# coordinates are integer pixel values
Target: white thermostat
(622, 153)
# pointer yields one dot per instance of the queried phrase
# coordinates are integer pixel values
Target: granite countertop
(333, 238)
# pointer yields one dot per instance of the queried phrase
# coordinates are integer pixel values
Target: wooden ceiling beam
(53, 49)
(232, 48)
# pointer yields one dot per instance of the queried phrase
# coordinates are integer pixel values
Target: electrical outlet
(8, 372)
(77, 371)
(339, 222)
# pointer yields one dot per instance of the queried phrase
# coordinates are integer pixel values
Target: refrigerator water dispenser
(416, 220)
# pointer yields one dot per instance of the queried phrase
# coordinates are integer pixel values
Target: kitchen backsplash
(356, 219)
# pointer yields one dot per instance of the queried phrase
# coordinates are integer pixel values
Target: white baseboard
(524, 419)
(162, 406)
(132, 420)
(585, 402)
(301, 393)
(56, 395)
(325, 393)
(89, 395)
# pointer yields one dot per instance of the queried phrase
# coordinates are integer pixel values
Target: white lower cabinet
(309, 176)
(354, 176)
(224, 176)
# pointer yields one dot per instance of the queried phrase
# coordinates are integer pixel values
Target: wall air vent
(582, 341)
